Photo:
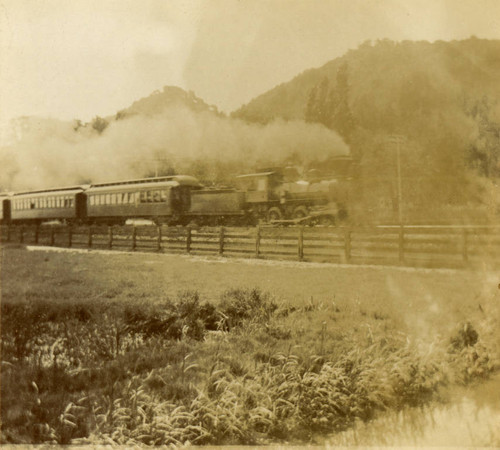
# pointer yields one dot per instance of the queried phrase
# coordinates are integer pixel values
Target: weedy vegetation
(245, 368)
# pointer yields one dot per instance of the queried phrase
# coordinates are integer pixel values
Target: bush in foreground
(191, 371)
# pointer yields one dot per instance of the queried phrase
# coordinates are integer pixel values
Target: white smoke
(47, 153)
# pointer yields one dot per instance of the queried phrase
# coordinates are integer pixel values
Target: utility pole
(397, 139)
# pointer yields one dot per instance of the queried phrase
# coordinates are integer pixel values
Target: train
(269, 196)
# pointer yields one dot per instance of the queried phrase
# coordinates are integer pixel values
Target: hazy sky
(79, 58)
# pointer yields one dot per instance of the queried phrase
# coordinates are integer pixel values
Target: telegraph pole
(397, 139)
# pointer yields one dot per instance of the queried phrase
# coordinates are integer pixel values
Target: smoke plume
(47, 153)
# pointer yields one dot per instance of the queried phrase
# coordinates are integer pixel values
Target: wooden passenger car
(64, 204)
(162, 199)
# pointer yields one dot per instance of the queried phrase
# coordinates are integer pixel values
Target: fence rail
(424, 246)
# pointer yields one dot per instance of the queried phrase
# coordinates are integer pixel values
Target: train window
(32, 204)
(163, 196)
(107, 199)
(142, 196)
(112, 198)
(156, 196)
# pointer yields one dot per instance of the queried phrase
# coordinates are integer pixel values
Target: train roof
(259, 174)
(131, 186)
(181, 180)
(52, 191)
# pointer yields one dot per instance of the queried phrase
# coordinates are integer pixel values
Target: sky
(72, 59)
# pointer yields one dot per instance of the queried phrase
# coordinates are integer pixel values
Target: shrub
(239, 305)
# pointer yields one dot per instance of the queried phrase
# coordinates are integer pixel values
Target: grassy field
(160, 349)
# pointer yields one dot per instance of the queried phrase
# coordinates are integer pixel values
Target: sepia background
(380, 330)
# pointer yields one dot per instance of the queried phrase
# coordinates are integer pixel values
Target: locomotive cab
(260, 187)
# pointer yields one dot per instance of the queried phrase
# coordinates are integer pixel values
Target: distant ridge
(158, 101)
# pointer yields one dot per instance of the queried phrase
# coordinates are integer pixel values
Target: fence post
(70, 236)
(221, 241)
(110, 237)
(8, 233)
(90, 237)
(401, 243)
(465, 254)
(347, 244)
(134, 238)
(52, 236)
(21, 234)
(301, 243)
(37, 233)
(159, 238)
(188, 240)
(257, 242)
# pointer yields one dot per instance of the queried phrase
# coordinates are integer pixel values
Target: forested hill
(385, 79)
(159, 101)
(442, 99)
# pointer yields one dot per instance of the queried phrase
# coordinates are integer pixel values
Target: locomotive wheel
(299, 212)
(274, 213)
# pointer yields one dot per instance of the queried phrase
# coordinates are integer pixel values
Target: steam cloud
(48, 153)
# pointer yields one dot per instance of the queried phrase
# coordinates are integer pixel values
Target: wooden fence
(423, 246)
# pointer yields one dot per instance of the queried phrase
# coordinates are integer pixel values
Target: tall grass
(242, 371)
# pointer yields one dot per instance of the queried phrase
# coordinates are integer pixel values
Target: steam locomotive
(268, 196)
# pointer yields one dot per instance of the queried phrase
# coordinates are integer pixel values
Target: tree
(99, 124)
(341, 118)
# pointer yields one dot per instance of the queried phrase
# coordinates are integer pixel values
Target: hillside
(441, 99)
(158, 101)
